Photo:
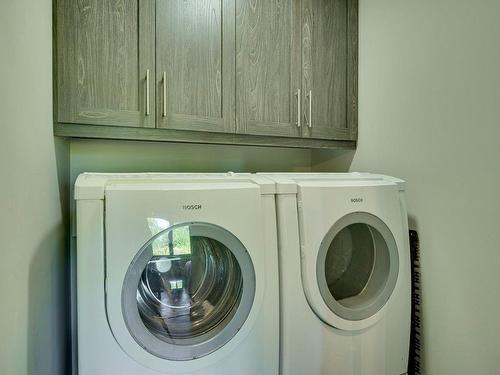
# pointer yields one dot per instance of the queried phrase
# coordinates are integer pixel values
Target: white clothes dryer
(176, 274)
(344, 274)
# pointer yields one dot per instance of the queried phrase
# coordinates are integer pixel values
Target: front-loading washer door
(351, 250)
(357, 266)
(188, 291)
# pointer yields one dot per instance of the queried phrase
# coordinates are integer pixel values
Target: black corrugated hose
(414, 359)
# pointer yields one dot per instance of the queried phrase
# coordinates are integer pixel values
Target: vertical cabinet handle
(309, 96)
(147, 93)
(298, 107)
(164, 82)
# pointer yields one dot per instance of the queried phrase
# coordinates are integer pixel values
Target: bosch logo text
(191, 207)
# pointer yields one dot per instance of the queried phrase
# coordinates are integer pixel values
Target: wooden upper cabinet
(329, 68)
(195, 64)
(297, 52)
(268, 71)
(104, 51)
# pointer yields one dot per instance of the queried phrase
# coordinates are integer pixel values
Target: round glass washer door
(188, 291)
(357, 266)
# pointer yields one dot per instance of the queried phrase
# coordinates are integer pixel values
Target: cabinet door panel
(103, 55)
(195, 54)
(324, 59)
(267, 66)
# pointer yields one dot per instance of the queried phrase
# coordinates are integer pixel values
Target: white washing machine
(176, 274)
(344, 274)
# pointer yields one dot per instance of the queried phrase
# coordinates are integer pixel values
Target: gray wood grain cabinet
(268, 71)
(280, 72)
(195, 65)
(105, 62)
(328, 66)
(296, 67)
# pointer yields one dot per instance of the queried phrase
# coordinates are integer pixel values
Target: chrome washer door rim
(185, 349)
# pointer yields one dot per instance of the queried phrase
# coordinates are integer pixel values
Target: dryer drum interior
(189, 291)
(357, 266)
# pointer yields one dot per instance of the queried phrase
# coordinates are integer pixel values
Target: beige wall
(33, 246)
(123, 156)
(429, 112)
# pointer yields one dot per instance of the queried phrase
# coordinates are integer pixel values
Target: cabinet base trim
(185, 136)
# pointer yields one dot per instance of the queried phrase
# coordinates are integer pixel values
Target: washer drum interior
(357, 266)
(188, 291)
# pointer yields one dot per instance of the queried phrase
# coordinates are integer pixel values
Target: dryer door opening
(188, 291)
(357, 266)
